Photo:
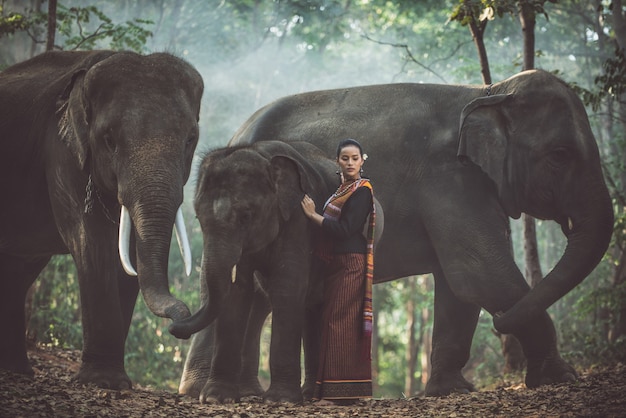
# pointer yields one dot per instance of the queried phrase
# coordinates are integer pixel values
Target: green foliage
(468, 11)
(153, 357)
(611, 83)
(392, 322)
(486, 360)
(55, 317)
(12, 22)
(88, 28)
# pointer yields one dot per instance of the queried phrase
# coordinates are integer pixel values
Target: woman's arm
(353, 215)
(308, 206)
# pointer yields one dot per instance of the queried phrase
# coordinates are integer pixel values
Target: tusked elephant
(248, 203)
(451, 164)
(97, 146)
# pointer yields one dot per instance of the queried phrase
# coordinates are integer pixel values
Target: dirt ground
(52, 393)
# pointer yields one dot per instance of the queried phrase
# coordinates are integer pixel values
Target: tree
(528, 10)
(615, 83)
(52, 24)
(12, 22)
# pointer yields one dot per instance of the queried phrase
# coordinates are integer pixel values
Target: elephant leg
(249, 381)
(454, 325)
(107, 300)
(16, 276)
(544, 363)
(198, 362)
(312, 334)
(288, 310)
(223, 383)
(311, 341)
(128, 289)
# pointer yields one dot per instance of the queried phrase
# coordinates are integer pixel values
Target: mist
(267, 59)
(250, 55)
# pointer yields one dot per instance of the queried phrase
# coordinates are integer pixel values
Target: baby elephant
(248, 204)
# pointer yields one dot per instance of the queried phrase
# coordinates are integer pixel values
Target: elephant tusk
(124, 242)
(570, 224)
(183, 240)
(233, 273)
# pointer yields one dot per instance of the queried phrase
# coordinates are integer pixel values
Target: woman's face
(350, 161)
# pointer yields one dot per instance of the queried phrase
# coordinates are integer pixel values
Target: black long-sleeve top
(347, 232)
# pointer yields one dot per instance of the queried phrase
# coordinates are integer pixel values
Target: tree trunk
(619, 24)
(619, 277)
(427, 347)
(412, 346)
(527, 20)
(514, 360)
(375, 337)
(425, 337)
(52, 24)
(619, 328)
(478, 31)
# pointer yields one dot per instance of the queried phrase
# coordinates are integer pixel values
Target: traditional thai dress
(345, 370)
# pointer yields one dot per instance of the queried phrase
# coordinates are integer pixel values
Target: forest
(251, 52)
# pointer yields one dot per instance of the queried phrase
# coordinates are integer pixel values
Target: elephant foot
(283, 394)
(549, 371)
(225, 393)
(104, 377)
(250, 387)
(20, 365)
(191, 388)
(191, 384)
(308, 389)
(445, 383)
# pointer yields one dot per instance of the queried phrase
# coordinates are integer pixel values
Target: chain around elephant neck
(89, 200)
(489, 89)
(88, 196)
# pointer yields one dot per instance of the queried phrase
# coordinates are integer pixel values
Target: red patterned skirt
(345, 369)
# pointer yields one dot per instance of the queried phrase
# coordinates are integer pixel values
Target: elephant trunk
(124, 241)
(218, 274)
(588, 237)
(153, 233)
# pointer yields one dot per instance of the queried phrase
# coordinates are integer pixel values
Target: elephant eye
(110, 143)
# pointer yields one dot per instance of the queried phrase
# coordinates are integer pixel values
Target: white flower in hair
(364, 157)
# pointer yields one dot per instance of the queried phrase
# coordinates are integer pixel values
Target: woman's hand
(308, 207)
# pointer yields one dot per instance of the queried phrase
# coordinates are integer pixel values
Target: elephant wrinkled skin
(85, 134)
(450, 164)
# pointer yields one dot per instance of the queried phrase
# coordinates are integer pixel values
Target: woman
(344, 373)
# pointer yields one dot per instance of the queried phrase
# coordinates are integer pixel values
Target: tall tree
(412, 346)
(527, 15)
(475, 14)
(618, 14)
(52, 24)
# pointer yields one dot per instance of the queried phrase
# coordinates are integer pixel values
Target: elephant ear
(291, 181)
(75, 116)
(483, 140)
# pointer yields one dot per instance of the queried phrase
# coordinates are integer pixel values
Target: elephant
(451, 165)
(248, 204)
(97, 148)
